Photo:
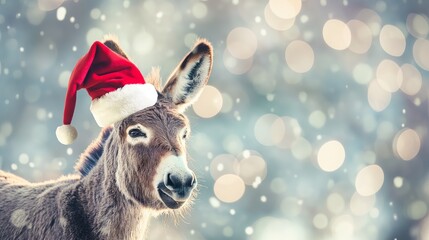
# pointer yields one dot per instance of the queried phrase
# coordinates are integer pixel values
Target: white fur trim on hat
(121, 103)
(66, 134)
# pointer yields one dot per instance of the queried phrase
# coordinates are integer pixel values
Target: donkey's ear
(112, 42)
(189, 78)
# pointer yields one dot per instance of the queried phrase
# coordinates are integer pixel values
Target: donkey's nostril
(173, 182)
(179, 183)
(191, 181)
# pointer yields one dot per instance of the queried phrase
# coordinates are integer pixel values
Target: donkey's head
(153, 165)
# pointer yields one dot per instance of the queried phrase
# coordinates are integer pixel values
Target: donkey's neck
(114, 216)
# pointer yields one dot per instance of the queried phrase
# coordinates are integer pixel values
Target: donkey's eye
(185, 135)
(135, 133)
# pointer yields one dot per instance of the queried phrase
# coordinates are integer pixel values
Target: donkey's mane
(89, 158)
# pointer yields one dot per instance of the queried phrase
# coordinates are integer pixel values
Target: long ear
(111, 42)
(190, 76)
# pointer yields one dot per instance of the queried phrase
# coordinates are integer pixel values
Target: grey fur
(115, 199)
(93, 152)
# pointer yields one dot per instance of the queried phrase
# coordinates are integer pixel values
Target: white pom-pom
(66, 134)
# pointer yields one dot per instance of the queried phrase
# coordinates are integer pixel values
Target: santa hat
(116, 86)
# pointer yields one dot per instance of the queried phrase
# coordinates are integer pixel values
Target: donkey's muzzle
(176, 189)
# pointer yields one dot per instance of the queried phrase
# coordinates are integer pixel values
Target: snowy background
(314, 126)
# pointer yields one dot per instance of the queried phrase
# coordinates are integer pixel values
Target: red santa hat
(115, 84)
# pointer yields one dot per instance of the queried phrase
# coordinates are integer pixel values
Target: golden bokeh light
(335, 203)
(392, 40)
(421, 53)
(241, 43)
(223, 164)
(361, 36)
(424, 229)
(363, 73)
(299, 56)
(320, 221)
(412, 79)
(371, 18)
(343, 227)
(406, 144)
(337, 34)
(398, 182)
(251, 168)
(269, 130)
(290, 206)
(285, 9)
(389, 75)
(274, 228)
(301, 148)
(209, 104)
(331, 156)
(49, 5)
(417, 25)
(275, 22)
(199, 10)
(292, 131)
(416, 210)
(229, 188)
(317, 119)
(361, 205)
(378, 98)
(235, 65)
(233, 143)
(369, 180)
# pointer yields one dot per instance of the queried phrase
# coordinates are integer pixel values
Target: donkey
(136, 169)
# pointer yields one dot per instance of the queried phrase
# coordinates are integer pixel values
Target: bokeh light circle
(275, 22)
(199, 10)
(331, 156)
(61, 13)
(301, 148)
(48, 5)
(343, 227)
(93, 34)
(292, 132)
(241, 43)
(369, 180)
(424, 229)
(337, 34)
(406, 144)
(285, 8)
(363, 73)
(378, 98)
(269, 130)
(320, 221)
(392, 40)
(421, 53)
(236, 66)
(299, 56)
(389, 75)
(361, 205)
(335, 203)
(418, 25)
(361, 36)
(273, 228)
(317, 119)
(371, 18)
(223, 164)
(229, 188)
(143, 42)
(209, 103)
(412, 79)
(417, 210)
(251, 168)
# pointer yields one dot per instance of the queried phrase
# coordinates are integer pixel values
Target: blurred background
(313, 126)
